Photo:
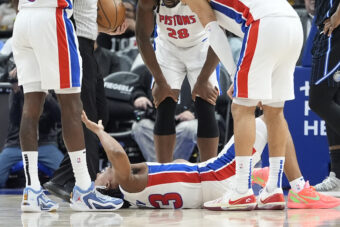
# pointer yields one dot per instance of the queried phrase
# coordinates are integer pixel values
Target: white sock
(30, 160)
(243, 173)
(79, 165)
(298, 184)
(275, 173)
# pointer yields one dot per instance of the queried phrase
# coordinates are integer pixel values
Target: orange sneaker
(260, 176)
(308, 198)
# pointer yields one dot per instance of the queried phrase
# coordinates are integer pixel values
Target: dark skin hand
(332, 23)
(122, 167)
(144, 27)
(203, 88)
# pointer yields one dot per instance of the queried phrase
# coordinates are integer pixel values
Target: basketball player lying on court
(186, 185)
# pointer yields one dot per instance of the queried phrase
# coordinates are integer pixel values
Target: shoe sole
(248, 207)
(33, 209)
(312, 206)
(58, 193)
(271, 206)
(82, 208)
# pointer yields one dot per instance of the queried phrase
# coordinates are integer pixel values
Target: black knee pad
(165, 118)
(207, 124)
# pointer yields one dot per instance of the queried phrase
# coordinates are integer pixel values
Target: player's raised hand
(206, 91)
(96, 128)
(162, 91)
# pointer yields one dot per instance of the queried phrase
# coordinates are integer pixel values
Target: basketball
(110, 13)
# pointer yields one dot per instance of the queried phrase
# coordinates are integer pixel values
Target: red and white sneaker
(233, 201)
(271, 200)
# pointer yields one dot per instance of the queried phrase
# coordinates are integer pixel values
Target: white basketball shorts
(271, 48)
(178, 62)
(45, 49)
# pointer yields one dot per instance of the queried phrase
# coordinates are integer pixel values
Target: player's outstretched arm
(216, 36)
(114, 151)
(145, 25)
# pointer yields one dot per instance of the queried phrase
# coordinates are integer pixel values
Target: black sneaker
(61, 191)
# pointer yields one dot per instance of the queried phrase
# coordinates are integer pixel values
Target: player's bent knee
(207, 124)
(165, 118)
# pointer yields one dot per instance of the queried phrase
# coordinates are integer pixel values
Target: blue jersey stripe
(70, 6)
(220, 162)
(173, 167)
(218, 74)
(73, 51)
(242, 53)
(230, 13)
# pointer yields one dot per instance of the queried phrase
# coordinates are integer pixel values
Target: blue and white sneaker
(92, 200)
(36, 201)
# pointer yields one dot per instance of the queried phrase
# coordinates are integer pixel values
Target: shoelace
(328, 184)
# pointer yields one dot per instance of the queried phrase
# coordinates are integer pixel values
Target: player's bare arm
(144, 27)
(203, 88)
(217, 38)
(332, 23)
(122, 168)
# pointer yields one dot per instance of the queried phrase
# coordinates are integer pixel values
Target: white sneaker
(271, 200)
(329, 186)
(233, 201)
(36, 201)
(92, 200)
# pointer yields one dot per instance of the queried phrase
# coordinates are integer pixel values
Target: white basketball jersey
(45, 4)
(188, 185)
(179, 25)
(237, 14)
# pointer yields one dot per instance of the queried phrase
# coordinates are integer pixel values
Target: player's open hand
(119, 30)
(96, 128)
(161, 92)
(330, 24)
(231, 91)
(206, 91)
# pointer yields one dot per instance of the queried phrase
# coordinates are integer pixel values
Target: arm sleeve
(220, 44)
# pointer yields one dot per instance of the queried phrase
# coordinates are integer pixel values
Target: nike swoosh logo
(312, 198)
(238, 200)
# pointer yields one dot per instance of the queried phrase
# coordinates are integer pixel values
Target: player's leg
(165, 130)
(331, 185)
(61, 70)
(302, 195)
(288, 43)
(207, 130)
(222, 169)
(29, 76)
(165, 127)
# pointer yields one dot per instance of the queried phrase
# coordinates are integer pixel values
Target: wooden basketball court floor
(11, 216)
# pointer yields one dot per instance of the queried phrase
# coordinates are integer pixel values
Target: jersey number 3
(158, 200)
(180, 34)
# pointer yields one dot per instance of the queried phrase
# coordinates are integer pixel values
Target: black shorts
(326, 57)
